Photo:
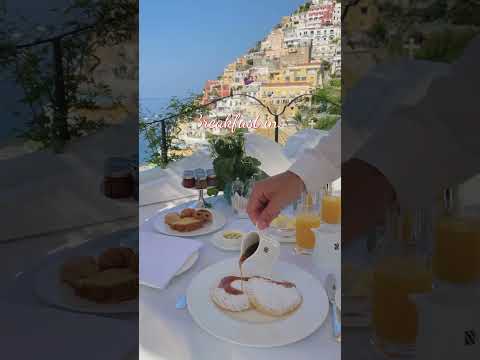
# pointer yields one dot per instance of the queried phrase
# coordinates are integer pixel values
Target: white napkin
(162, 256)
(46, 333)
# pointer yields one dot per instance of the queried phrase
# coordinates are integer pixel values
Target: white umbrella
(302, 140)
(268, 152)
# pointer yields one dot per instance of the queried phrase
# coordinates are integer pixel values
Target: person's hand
(271, 195)
(366, 195)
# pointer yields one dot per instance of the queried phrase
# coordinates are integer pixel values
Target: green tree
(162, 145)
(325, 107)
(51, 97)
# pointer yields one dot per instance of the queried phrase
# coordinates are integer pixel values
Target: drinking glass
(331, 206)
(402, 268)
(307, 218)
(456, 253)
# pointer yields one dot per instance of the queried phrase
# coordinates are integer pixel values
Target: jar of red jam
(211, 178)
(188, 179)
(118, 182)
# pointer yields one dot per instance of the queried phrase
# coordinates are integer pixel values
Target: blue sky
(185, 42)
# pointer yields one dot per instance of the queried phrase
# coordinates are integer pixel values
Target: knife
(331, 288)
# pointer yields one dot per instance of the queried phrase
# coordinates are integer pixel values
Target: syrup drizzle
(226, 284)
(248, 252)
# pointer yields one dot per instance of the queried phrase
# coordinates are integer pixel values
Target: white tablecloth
(170, 334)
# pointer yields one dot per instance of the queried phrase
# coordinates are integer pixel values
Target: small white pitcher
(262, 261)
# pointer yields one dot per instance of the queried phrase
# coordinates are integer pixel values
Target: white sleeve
(320, 165)
(434, 144)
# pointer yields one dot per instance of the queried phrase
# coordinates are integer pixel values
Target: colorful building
(279, 94)
(214, 89)
(322, 13)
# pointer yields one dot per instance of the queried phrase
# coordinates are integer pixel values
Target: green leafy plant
(324, 110)
(55, 118)
(326, 122)
(229, 158)
(163, 148)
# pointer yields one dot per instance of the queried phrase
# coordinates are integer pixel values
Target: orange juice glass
(456, 257)
(308, 218)
(305, 238)
(394, 315)
(331, 209)
(402, 268)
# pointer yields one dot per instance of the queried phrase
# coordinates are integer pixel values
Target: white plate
(217, 223)
(50, 289)
(218, 241)
(302, 323)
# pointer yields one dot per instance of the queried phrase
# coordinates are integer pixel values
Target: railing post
(60, 127)
(276, 128)
(164, 143)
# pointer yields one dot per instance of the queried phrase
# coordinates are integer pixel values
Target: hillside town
(302, 53)
(382, 31)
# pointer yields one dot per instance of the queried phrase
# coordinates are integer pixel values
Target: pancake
(228, 295)
(274, 298)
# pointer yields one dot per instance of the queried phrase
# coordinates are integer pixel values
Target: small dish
(229, 244)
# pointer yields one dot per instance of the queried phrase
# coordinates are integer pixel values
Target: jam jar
(188, 179)
(118, 182)
(211, 178)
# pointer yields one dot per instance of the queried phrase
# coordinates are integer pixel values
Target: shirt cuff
(315, 170)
